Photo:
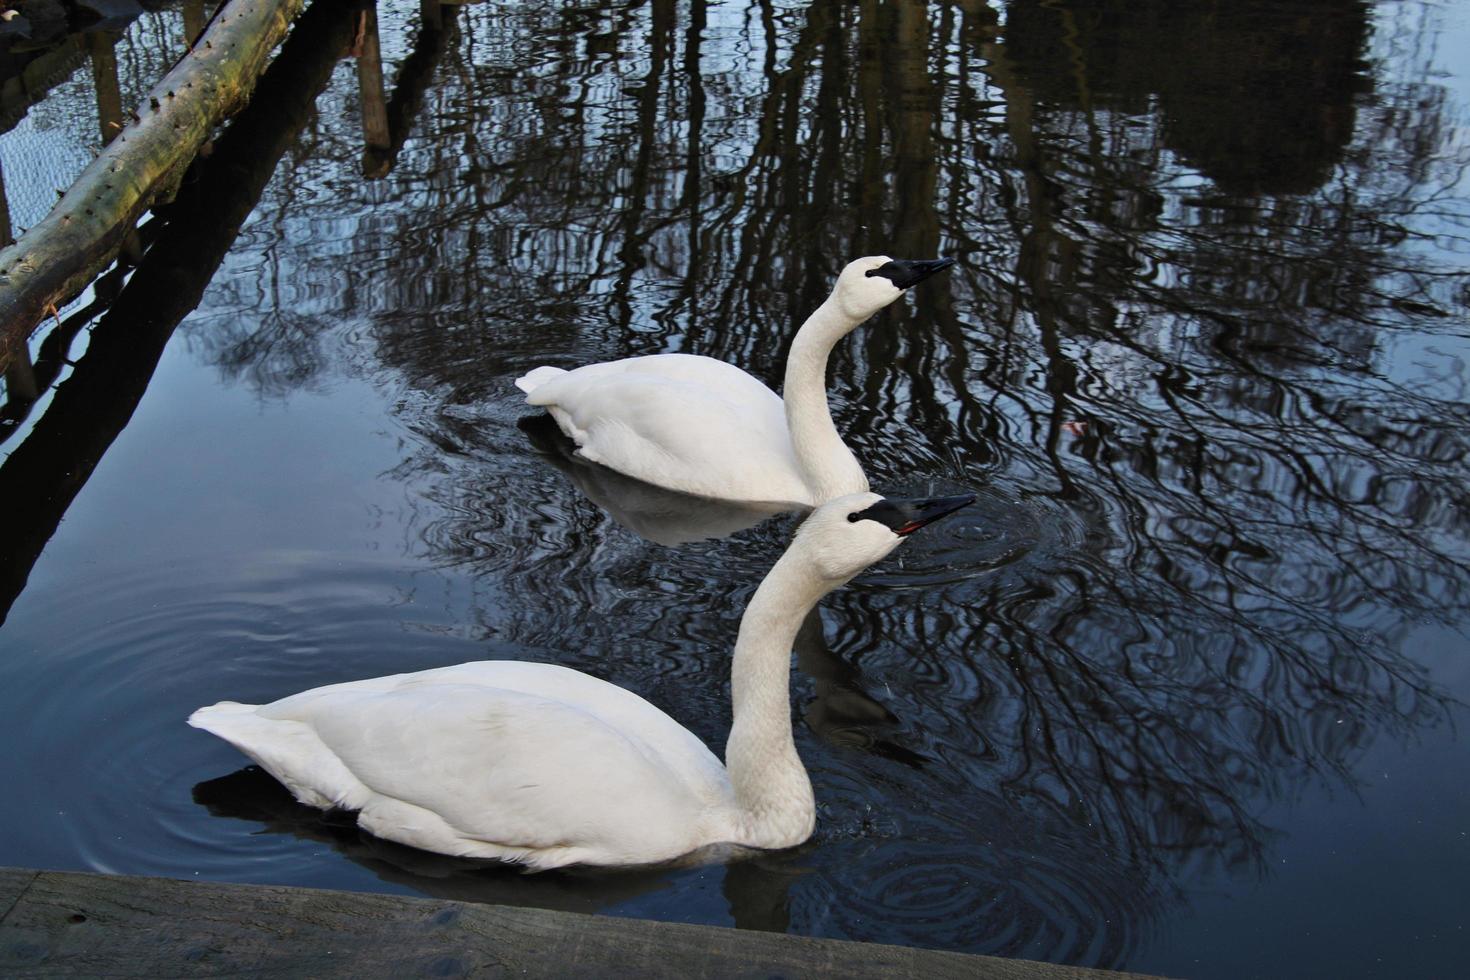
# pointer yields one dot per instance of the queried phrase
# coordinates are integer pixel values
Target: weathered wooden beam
(68, 924)
(40, 477)
(58, 257)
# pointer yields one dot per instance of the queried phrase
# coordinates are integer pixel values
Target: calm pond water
(1183, 693)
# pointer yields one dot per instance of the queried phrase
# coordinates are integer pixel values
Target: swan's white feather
(537, 377)
(682, 421)
(492, 759)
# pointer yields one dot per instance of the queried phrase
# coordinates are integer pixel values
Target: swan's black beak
(908, 272)
(905, 516)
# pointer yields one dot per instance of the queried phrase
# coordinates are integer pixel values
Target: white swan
(707, 428)
(543, 765)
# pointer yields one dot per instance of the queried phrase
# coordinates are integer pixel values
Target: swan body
(703, 427)
(545, 766)
(477, 760)
(680, 421)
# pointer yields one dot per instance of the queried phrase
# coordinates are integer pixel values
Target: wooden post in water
(193, 21)
(375, 136)
(20, 375)
(7, 235)
(101, 45)
(431, 15)
(415, 73)
(41, 476)
(20, 378)
(55, 259)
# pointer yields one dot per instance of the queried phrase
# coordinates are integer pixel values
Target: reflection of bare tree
(1272, 550)
(1258, 95)
(1207, 375)
(663, 516)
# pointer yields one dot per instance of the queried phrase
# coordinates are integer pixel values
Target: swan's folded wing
(692, 423)
(720, 378)
(615, 706)
(505, 767)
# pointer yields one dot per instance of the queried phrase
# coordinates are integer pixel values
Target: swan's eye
(853, 517)
(872, 272)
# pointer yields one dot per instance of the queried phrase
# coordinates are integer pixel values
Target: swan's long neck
(827, 465)
(772, 791)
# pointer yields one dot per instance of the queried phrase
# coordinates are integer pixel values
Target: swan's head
(846, 535)
(869, 284)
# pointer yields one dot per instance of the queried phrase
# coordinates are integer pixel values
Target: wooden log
(40, 477)
(68, 924)
(70, 246)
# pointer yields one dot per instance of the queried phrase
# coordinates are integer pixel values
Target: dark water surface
(1184, 692)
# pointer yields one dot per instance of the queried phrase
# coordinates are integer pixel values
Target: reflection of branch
(45, 472)
(54, 351)
(633, 200)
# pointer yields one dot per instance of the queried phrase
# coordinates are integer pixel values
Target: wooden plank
(70, 924)
(13, 881)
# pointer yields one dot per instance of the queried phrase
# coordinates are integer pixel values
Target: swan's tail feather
(202, 718)
(536, 378)
(238, 724)
(288, 750)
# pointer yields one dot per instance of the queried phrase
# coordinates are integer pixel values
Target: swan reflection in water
(665, 517)
(756, 885)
